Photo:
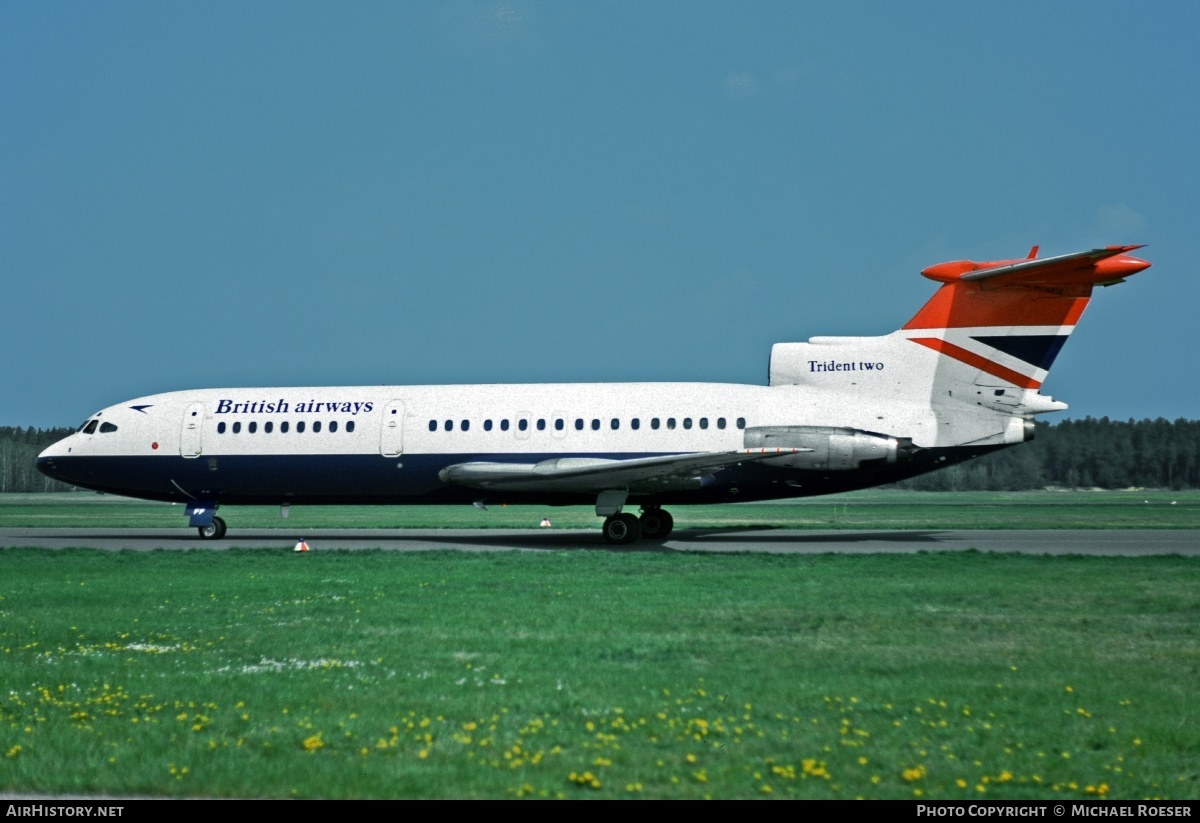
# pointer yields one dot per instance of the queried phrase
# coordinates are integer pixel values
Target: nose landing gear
(213, 531)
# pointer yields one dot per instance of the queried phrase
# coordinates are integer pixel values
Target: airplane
(958, 380)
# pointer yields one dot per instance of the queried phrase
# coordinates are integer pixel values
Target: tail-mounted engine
(828, 447)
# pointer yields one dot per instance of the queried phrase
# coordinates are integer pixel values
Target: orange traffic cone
(301, 546)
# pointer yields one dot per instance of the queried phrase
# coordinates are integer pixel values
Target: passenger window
(268, 427)
(487, 425)
(283, 427)
(670, 422)
(332, 426)
(704, 422)
(107, 427)
(299, 427)
(466, 425)
(433, 425)
(720, 422)
(687, 422)
(541, 424)
(741, 422)
(221, 427)
(595, 425)
(90, 427)
(504, 425)
(448, 425)
(559, 424)
(237, 427)
(349, 426)
(635, 424)
(654, 423)
(253, 427)
(578, 424)
(615, 424)
(523, 424)
(316, 426)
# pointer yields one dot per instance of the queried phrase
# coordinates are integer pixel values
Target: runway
(767, 541)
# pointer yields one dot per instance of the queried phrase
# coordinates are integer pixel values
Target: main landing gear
(213, 531)
(656, 523)
(623, 528)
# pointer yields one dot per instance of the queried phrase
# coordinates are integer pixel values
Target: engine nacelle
(832, 448)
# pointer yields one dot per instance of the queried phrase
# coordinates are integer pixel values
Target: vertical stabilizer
(976, 353)
(998, 326)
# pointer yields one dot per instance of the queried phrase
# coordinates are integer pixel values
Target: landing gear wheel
(656, 524)
(622, 529)
(213, 531)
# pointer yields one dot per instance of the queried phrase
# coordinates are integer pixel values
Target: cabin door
(391, 441)
(192, 436)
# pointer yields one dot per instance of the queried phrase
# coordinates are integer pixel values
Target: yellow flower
(311, 744)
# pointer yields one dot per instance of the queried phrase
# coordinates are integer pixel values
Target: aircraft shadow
(753, 538)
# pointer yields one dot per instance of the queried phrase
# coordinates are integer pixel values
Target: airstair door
(192, 437)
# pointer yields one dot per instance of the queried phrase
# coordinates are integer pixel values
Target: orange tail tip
(1051, 291)
(301, 546)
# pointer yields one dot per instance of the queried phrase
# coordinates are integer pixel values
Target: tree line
(19, 449)
(1088, 453)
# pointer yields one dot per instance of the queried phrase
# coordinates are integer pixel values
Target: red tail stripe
(971, 359)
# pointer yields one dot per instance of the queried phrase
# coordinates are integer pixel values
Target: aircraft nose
(45, 460)
(46, 465)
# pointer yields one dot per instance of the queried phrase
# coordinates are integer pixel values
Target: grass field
(598, 674)
(871, 509)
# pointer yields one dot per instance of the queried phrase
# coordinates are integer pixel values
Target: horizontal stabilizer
(1096, 266)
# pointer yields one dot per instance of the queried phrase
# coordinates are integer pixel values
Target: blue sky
(262, 194)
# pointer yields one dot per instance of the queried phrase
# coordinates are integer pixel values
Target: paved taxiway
(774, 541)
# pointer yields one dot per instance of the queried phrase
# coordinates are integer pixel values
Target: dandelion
(311, 744)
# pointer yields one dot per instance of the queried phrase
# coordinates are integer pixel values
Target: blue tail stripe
(1036, 349)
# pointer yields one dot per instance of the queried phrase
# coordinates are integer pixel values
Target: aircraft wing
(587, 475)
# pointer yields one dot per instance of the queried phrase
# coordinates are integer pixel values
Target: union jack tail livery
(986, 339)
